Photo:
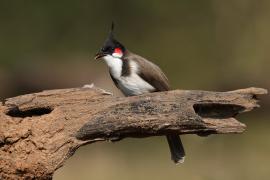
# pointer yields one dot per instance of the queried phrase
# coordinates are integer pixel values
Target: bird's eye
(107, 49)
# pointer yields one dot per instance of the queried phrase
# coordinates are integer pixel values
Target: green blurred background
(208, 45)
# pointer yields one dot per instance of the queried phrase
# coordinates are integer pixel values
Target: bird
(135, 75)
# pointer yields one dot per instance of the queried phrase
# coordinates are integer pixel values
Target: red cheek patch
(117, 51)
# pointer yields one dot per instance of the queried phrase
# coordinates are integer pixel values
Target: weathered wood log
(40, 131)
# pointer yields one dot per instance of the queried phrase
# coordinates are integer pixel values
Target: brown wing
(151, 73)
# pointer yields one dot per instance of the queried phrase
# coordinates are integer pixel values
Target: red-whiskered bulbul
(134, 75)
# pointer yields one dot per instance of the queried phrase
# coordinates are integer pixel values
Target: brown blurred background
(208, 45)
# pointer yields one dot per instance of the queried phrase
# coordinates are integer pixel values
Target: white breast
(115, 65)
(129, 85)
(134, 85)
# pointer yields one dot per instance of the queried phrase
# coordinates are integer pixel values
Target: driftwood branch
(39, 131)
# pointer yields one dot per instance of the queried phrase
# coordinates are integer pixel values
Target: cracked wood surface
(39, 131)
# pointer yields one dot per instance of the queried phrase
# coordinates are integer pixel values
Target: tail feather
(176, 148)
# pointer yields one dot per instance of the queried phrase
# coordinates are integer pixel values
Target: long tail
(176, 148)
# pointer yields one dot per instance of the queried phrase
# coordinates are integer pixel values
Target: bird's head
(111, 47)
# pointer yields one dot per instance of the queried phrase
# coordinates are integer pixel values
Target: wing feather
(150, 72)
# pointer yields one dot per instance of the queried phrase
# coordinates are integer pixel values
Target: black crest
(111, 43)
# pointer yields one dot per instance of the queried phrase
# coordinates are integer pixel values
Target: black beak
(100, 55)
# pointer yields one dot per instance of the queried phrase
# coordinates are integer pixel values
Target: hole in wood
(220, 111)
(16, 112)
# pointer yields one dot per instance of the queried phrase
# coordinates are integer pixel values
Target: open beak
(100, 55)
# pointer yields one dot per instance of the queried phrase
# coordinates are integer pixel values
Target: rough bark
(39, 131)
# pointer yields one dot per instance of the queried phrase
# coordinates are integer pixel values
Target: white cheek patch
(115, 65)
(117, 55)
